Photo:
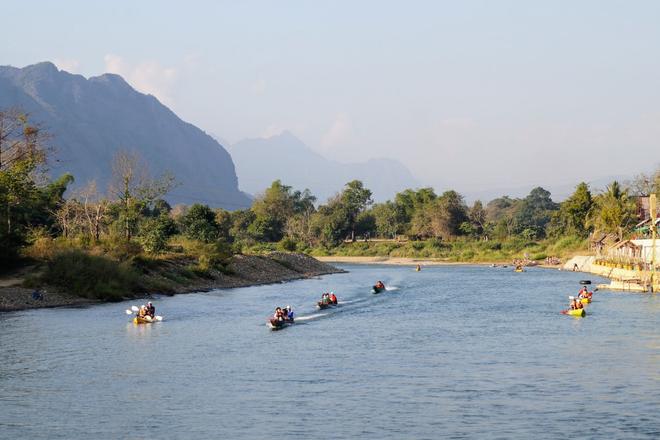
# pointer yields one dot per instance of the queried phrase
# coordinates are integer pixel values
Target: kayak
(146, 320)
(585, 300)
(577, 312)
(322, 305)
(518, 270)
(275, 324)
(377, 289)
(583, 282)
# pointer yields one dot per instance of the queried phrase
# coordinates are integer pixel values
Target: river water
(449, 352)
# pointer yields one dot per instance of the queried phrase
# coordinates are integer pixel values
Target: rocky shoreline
(242, 271)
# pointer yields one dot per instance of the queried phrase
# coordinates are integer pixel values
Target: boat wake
(309, 317)
(391, 288)
(353, 301)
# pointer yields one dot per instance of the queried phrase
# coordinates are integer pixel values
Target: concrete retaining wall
(621, 279)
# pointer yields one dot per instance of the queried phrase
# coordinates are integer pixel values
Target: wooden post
(652, 206)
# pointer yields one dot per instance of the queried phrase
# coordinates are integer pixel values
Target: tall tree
(135, 189)
(199, 223)
(447, 214)
(355, 198)
(389, 219)
(572, 217)
(275, 207)
(534, 213)
(614, 211)
(477, 215)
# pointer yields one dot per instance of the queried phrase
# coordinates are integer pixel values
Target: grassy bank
(461, 250)
(104, 273)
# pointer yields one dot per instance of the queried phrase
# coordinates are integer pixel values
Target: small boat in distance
(327, 300)
(378, 287)
(283, 317)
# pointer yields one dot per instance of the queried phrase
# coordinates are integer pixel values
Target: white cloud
(272, 130)
(339, 132)
(67, 64)
(147, 77)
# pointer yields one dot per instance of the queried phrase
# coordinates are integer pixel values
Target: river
(448, 352)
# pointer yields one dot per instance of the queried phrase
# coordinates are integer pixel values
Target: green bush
(287, 244)
(91, 276)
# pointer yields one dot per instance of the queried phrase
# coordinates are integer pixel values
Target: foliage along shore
(80, 281)
(109, 244)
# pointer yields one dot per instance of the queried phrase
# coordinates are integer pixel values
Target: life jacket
(333, 298)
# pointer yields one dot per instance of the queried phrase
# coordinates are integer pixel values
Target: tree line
(132, 215)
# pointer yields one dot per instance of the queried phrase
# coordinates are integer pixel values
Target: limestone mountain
(285, 157)
(91, 119)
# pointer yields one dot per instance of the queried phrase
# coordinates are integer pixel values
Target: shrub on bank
(91, 276)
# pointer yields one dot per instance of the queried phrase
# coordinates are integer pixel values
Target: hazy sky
(468, 94)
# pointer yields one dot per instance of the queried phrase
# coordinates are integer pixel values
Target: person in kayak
(380, 285)
(142, 312)
(584, 293)
(333, 298)
(325, 298)
(279, 314)
(575, 304)
(150, 310)
(289, 313)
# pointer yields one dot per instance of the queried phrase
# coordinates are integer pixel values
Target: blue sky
(467, 94)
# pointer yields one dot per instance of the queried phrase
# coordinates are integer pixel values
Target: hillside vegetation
(112, 243)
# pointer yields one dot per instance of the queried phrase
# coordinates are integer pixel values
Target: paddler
(333, 298)
(574, 303)
(289, 313)
(279, 314)
(150, 310)
(584, 293)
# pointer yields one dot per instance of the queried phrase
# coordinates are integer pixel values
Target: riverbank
(398, 261)
(169, 277)
(620, 279)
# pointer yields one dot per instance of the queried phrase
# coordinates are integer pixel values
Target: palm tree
(613, 211)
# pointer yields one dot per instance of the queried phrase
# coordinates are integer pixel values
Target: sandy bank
(395, 261)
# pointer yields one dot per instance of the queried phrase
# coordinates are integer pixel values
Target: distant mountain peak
(42, 67)
(287, 158)
(91, 119)
(114, 79)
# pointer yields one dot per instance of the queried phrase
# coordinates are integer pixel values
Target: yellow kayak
(518, 270)
(147, 320)
(578, 312)
(585, 300)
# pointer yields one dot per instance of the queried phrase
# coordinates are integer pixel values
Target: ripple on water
(452, 352)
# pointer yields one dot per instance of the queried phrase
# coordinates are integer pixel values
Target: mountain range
(260, 161)
(90, 120)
